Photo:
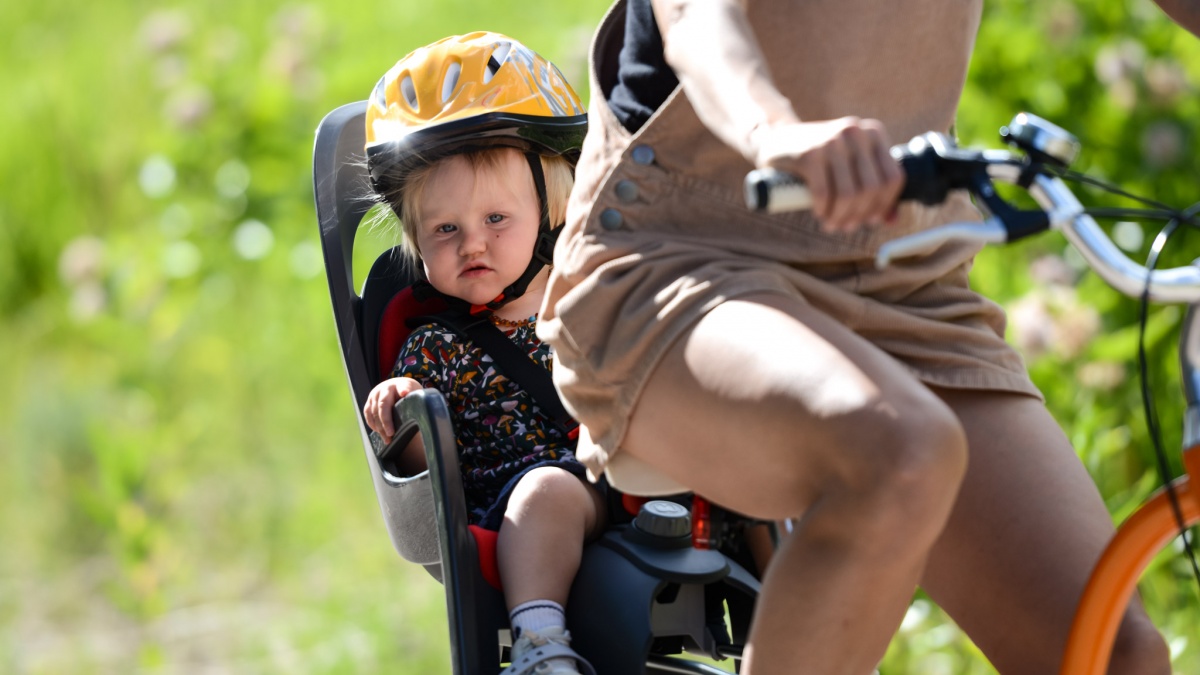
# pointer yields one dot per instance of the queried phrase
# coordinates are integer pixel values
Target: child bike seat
(642, 595)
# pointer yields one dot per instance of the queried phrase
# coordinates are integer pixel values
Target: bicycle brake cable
(1078, 177)
(1148, 407)
(1174, 218)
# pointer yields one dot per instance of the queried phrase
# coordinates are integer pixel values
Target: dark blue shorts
(494, 516)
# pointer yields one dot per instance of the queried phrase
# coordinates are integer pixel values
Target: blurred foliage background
(182, 488)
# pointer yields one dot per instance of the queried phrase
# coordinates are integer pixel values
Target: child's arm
(378, 415)
(378, 410)
(417, 367)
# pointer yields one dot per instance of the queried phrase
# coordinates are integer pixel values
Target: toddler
(471, 141)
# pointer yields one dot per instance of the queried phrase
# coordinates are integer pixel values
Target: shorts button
(611, 219)
(643, 154)
(627, 190)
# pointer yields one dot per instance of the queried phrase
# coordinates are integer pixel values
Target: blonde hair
(559, 174)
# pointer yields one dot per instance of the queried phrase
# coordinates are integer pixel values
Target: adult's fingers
(874, 203)
(846, 166)
(844, 185)
(892, 175)
(875, 170)
(814, 173)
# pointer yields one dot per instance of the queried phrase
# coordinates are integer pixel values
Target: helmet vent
(379, 96)
(450, 81)
(409, 91)
(496, 60)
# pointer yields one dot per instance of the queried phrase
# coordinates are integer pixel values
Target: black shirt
(644, 80)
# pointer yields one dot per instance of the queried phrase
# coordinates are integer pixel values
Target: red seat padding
(393, 325)
(633, 504)
(485, 543)
(393, 331)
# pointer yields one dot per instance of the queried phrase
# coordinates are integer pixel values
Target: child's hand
(378, 410)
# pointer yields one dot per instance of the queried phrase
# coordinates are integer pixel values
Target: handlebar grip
(774, 191)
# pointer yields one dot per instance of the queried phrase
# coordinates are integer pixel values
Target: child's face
(477, 227)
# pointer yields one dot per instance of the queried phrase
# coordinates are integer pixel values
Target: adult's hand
(845, 163)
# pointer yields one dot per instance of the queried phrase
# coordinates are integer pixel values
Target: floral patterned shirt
(499, 427)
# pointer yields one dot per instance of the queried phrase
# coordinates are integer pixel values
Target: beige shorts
(612, 327)
(658, 234)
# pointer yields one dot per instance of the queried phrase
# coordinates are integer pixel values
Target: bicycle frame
(1150, 528)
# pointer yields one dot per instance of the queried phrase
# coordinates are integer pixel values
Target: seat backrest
(342, 191)
(371, 327)
(388, 305)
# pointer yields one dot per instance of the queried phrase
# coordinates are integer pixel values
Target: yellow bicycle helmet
(468, 90)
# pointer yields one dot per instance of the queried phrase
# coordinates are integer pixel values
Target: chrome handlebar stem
(1172, 285)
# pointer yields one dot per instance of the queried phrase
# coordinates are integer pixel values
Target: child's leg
(550, 515)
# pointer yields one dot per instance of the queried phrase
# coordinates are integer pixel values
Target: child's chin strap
(543, 253)
(543, 248)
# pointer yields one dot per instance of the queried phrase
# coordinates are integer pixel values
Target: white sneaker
(546, 653)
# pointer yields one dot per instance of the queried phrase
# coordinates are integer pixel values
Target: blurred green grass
(184, 489)
(183, 486)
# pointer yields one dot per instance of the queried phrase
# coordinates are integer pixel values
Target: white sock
(536, 616)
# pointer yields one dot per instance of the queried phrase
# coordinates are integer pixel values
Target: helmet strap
(543, 251)
(543, 248)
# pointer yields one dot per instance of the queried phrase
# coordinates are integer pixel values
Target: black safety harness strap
(511, 360)
(474, 323)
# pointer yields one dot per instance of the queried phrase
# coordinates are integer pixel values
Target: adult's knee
(924, 452)
(901, 479)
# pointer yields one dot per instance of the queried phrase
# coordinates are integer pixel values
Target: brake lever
(990, 231)
(1004, 223)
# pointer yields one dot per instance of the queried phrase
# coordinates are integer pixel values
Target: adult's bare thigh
(1024, 534)
(765, 401)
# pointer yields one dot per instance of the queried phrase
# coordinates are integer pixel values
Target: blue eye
(445, 228)
(495, 218)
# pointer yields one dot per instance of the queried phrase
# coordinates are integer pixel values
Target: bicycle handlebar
(933, 166)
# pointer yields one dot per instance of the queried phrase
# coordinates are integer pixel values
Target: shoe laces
(530, 639)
